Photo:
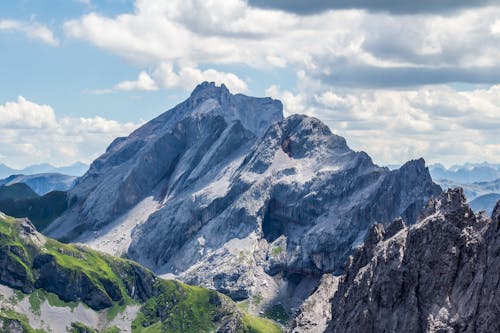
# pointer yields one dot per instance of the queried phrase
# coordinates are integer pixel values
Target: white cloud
(32, 132)
(25, 114)
(143, 82)
(188, 78)
(346, 47)
(437, 122)
(405, 60)
(31, 29)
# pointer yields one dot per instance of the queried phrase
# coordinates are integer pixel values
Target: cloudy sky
(399, 79)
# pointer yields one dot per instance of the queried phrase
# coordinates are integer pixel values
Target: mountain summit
(222, 192)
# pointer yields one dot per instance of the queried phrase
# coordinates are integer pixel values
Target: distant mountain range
(42, 183)
(466, 173)
(75, 169)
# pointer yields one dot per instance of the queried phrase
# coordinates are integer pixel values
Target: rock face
(439, 275)
(315, 313)
(221, 191)
(36, 265)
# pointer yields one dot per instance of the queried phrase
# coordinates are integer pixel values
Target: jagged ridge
(439, 275)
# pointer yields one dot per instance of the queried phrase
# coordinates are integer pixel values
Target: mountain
(223, 192)
(50, 286)
(481, 195)
(16, 192)
(467, 173)
(41, 210)
(485, 202)
(42, 183)
(439, 275)
(474, 190)
(76, 169)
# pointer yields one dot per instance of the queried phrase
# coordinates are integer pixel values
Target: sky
(398, 79)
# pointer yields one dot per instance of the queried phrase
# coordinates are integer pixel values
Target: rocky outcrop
(105, 284)
(439, 275)
(74, 285)
(315, 313)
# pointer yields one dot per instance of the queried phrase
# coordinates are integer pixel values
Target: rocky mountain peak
(256, 114)
(209, 90)
(302, 134)
(439, 275)
(223, 179)
(452, 205)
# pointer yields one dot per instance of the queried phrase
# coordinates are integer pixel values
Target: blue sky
(398, 80)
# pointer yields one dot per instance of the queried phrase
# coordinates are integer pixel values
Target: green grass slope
(41, 266)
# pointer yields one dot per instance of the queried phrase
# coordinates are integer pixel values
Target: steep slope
(485, 202)
(439, 275)
(40, 210)
(224, 193)
(52, 275)
(297, 203)
(42, 183)
(166, 155)
(16, 192)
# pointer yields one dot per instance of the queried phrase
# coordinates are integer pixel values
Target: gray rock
(245, 198)
(439, 275)
(315, 313)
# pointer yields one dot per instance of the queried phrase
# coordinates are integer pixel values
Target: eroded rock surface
(439, 275)
(237, 198)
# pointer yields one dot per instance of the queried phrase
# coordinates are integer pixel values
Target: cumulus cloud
(396, 7)
(166, 76)
(143, 82)
(33, 132)
(341, 48)
(188, 78)
(377, 77)
(31, 29)
(438, 123)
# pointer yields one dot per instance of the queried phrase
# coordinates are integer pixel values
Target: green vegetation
(277, 313)
(40, 210)
(36, 301)
(260, 325)
(167, 306)
(78, 327)
(115, 310)
(257, 299)
(180, 308)
(244, 305)
(277, 251)
(39, 296)
(11, 320)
